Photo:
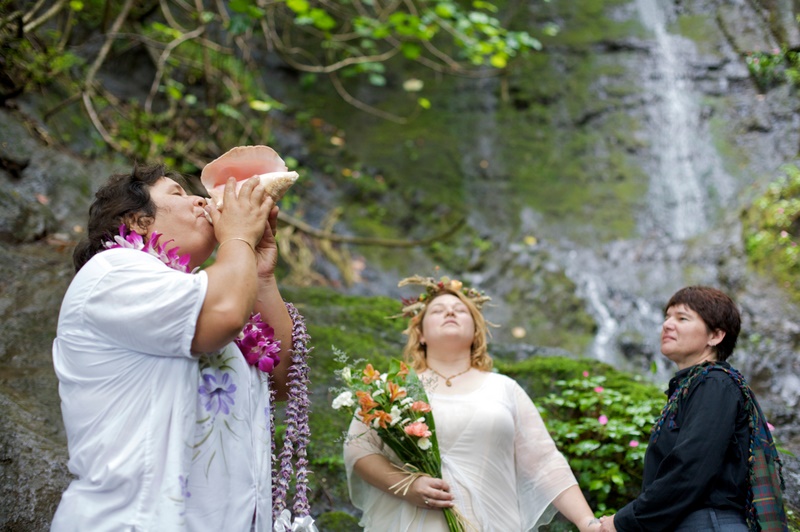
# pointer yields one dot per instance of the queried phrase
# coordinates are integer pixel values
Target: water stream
(625, 282)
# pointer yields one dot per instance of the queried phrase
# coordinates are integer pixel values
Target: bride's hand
(430, 493)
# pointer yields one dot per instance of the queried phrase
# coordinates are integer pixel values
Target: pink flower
(598, 389)
(418, 429)
(420, 406)
(770, 427)
(634, 443)
(784, 234)
(602, 420)
(585, 373)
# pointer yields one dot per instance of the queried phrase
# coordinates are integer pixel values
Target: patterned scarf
(764, 509)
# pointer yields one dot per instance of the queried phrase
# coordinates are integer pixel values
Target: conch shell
(242, 163)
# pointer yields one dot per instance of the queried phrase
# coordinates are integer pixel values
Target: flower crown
(412, 307)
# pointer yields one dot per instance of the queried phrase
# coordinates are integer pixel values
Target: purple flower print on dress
(218, 392)
(184, 482)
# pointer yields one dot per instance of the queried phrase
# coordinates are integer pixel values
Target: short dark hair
(117, 202)
(716, 309)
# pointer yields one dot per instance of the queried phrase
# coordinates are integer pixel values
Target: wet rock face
(33, 453)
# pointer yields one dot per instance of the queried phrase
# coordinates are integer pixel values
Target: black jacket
(701, 462)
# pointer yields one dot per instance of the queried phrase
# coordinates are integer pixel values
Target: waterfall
(686, 171)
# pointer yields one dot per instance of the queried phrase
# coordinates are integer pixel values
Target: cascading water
(688, 187)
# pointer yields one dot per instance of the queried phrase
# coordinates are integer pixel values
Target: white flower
(384, 376)
(377, 392)
(424, 443)
(346, 374)
(344, 399)
(407, 401)
(396, 414)
(421, 419)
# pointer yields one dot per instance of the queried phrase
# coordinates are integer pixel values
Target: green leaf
(488, 6)
(260, 105)
(424, 103)
(411, 50)
(499, 60)
(377, 79)
(322, 19)
(298, 6)
(445, 9)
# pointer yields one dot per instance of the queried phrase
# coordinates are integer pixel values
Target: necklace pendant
(447, 382)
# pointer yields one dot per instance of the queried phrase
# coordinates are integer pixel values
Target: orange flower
(403, 370)
(370, 374)
(420, 406)
(395, 391)
(365, 416)
(366, 401)
(383, 418)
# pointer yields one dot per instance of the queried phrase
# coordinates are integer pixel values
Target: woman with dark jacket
(711, 463)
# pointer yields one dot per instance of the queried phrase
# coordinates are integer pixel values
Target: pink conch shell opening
(243, 163)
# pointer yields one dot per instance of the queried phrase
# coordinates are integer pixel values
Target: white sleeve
(542, 471)
(141, 304)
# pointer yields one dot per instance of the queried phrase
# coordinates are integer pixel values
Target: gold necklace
(447, 379)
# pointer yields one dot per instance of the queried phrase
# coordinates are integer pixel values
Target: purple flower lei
(297, 435)
(257, 343)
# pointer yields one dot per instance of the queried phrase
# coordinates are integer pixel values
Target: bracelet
(238, 238)
(594, 521)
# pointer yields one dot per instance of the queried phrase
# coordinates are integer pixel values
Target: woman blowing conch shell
(242, 163)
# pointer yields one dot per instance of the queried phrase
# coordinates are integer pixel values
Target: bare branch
(165, 10)
(47, 15)
(364, 240)
(101, 56)
(355, 102)
(32, 11)
(98, 125)
(162, 61)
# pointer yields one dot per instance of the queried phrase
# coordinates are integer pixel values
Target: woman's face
(685, 338)
(181, 218)
(447, 318)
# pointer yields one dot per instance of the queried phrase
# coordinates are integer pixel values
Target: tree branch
(364, 240)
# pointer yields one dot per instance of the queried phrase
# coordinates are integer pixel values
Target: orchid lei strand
(131, 240)
(297, 433)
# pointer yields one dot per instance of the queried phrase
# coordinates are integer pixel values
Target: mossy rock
(337, 522)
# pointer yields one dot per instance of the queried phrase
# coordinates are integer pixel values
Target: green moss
(337, 522)
(734, 159)
(702, 29)
(587, 22)
(548, 309)
(539, 376)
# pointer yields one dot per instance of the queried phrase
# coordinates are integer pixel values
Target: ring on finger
(427, 502)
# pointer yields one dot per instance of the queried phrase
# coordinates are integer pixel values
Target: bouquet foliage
(396, 406)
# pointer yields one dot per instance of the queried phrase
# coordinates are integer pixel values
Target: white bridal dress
(501, 463)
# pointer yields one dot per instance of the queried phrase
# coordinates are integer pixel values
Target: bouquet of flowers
(396, 406)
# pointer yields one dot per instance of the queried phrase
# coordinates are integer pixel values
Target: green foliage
(771, 230)
(603, 433)
(572, 395)
(205, 77)
(766, 68)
